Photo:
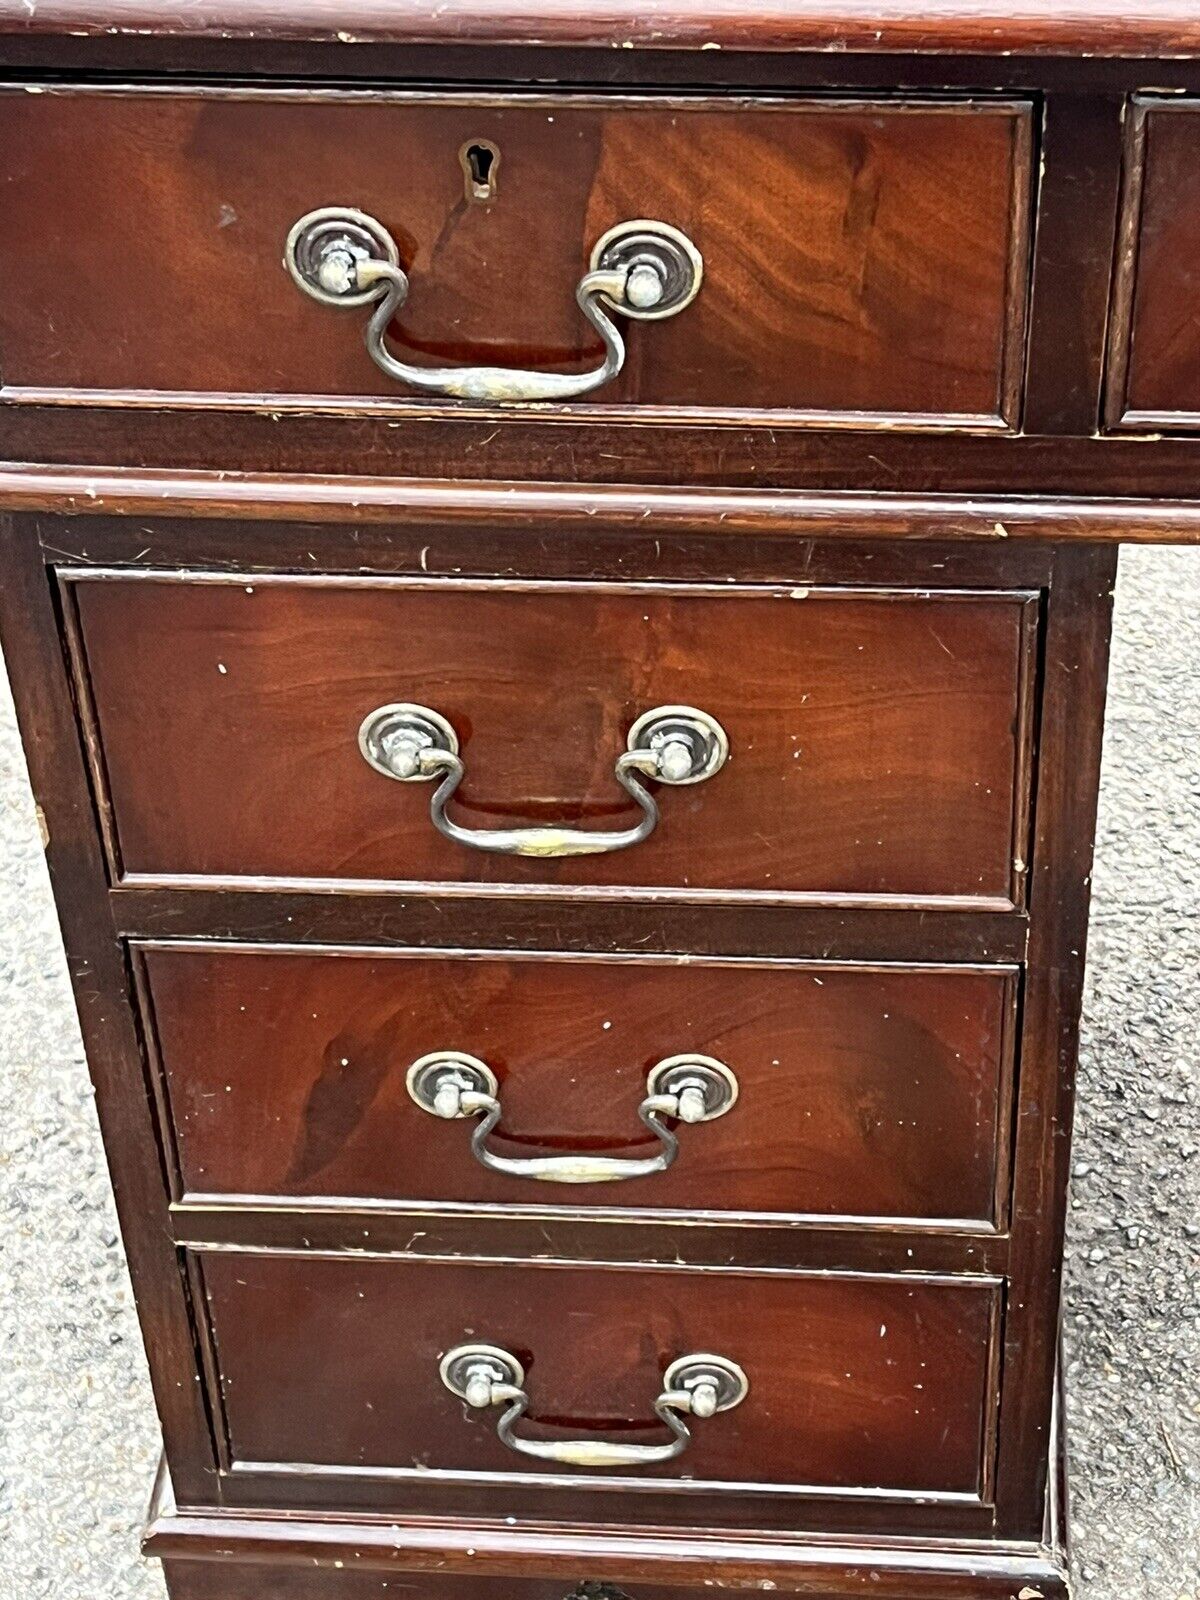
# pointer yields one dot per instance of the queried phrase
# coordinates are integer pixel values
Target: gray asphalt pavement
(78, 1441)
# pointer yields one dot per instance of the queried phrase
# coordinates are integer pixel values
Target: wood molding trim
(597, 507)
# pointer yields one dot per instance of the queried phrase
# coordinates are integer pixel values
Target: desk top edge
(1159, 28)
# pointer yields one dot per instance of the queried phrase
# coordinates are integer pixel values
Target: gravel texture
(77, 1436)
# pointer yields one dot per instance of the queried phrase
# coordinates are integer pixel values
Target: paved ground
(77, 1443)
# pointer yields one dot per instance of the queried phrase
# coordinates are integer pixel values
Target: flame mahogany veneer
(859, 501)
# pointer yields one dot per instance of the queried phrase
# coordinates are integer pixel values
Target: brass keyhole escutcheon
(479, 160)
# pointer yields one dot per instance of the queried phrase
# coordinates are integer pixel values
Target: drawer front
(878, 742)
(858, 257)
(853, 1382)
(1154, 345)
(223, 1579)
(860, 1092)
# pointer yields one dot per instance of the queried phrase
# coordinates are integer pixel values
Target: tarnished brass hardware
(326, 247)
(673, 745)
(644, 270)
(683, 1088)
(693, 1386)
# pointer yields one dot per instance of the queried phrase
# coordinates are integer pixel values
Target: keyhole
(480, 160)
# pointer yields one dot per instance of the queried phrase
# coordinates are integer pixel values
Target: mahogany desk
(557, 563)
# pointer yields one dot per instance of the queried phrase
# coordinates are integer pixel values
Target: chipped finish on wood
(481, 508)
(1003, 27)
(829, 1574)
(89, 442)
(250, 1222)
(910, 1417)
(875, 269)
(263, 910)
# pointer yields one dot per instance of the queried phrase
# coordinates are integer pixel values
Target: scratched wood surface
(877, 743)
(863, 1092)
(876, 261)
(873, 1383)
(1088, 27)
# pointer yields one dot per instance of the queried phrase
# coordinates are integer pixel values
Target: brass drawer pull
(685, 1088)
(646, 270)
(671, 744)
(693, 1386)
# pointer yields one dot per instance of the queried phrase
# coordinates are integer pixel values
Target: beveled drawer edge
(649, 509)
(419, 952)
(799, 899)
(1119, 332)
(739, 1240)
(400, 410)
(992, 1282)
(1118, 415)
(778, 1492)
(385, 919)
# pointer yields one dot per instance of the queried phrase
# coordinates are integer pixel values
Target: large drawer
(861, 258)
(850, 1093)
(878, 741)
(854, 1382)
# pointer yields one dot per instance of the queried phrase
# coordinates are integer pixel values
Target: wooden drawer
(878, 740)
(191, 1579)
(861, 1092)
(861, 258)
(855, 1382)
(1154, 343)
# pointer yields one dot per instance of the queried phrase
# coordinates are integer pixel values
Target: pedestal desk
(557, 564)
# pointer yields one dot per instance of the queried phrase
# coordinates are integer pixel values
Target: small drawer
(858, 260)
(703, 742)
(823, 1090)
(820, 1383)
(1154, 340)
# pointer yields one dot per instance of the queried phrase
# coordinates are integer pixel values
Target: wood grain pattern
(877, 263)
(1154, 341)
(876, 1383)
(879, 742)
(863, 1092)
(1003, 27)
(881, 221)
